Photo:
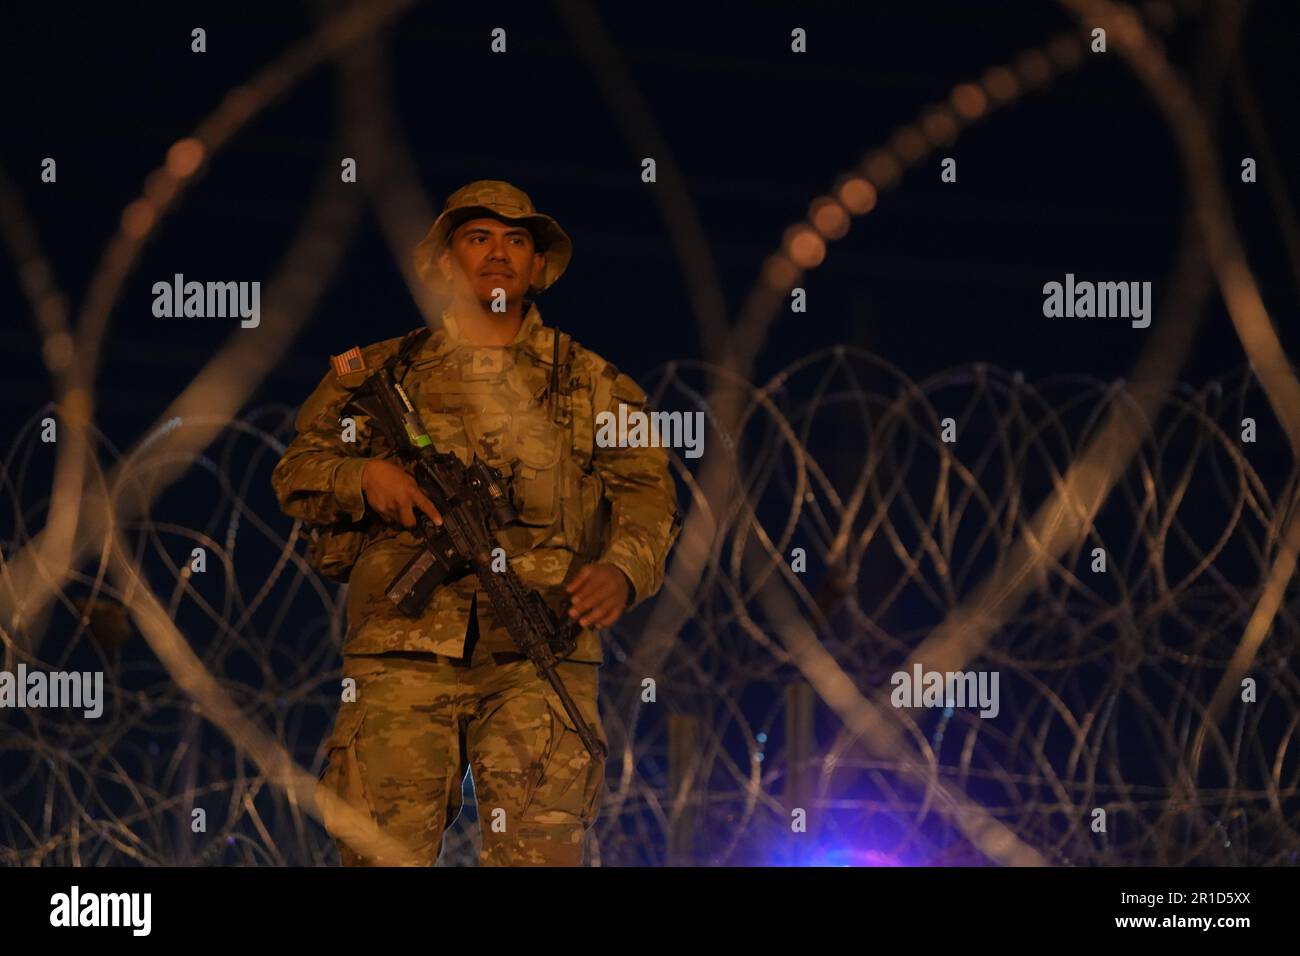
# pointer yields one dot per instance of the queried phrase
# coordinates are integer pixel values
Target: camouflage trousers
(400, 752)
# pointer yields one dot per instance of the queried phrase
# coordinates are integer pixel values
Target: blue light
(852, 856)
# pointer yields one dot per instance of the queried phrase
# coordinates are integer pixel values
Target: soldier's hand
(598, 595)
(395, 495)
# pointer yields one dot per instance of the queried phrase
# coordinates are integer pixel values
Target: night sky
(1080, 177)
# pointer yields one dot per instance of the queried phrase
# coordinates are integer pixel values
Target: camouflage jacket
(577, 502)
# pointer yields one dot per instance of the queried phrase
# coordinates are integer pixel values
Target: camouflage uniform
(448, 689)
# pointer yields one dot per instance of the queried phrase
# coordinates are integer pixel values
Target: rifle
(472, 501)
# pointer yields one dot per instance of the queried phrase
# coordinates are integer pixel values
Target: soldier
(449, 689)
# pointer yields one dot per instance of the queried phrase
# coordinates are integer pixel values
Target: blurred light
(969, 101)
(138, 218)
(909, 144)
(160, 186)
(779, 272)
(57, 351)
(939, 125)
(828, 217)
(76, 407)
(184, 157)
(1126, 27)
(1065, 51)
(852, 856)
(883, 169)
(52, 308)
(1033, 68)
(857, 195)
(1000, 84)
(238, 105)
(806, 248)
(34, 274)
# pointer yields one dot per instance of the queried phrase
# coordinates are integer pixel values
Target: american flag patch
(349, 361)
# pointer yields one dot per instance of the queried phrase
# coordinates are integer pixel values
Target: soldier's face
(485, 255)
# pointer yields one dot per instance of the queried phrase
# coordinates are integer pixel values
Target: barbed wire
(1104, 675)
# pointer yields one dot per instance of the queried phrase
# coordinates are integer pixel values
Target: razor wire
(900, 496)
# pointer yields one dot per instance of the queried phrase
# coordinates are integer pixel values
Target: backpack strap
(559, 383)
(411, 344)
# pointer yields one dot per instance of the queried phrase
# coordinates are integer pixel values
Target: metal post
(799, 749)
(683, 750)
